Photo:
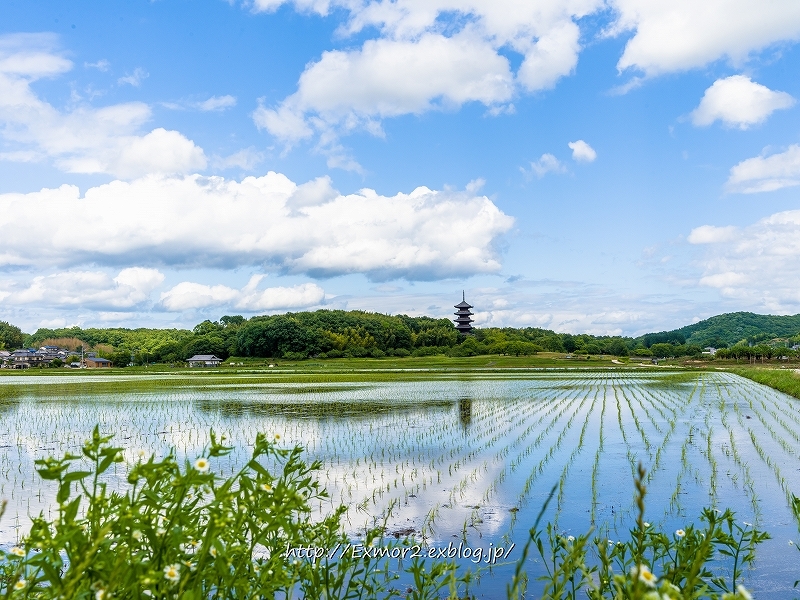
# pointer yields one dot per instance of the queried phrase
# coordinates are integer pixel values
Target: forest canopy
(323, 334)
(359, 334)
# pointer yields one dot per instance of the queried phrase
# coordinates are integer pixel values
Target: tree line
(355, 334)
(319, 334)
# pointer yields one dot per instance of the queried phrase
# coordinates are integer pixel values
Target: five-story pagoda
(463, 315)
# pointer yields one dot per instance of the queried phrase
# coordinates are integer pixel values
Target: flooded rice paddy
(456, 460)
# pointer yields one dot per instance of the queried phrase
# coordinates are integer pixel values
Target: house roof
(98, 359)
(204, 357)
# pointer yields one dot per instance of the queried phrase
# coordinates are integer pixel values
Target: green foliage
(337, 333)
(760, 352)
(445, 336)
(359, 334)
(120, 358)
(784, 380)
(651, 564)
(726, 330)
(11, 337)
(428, 351)
(180, 531)
(662, 350)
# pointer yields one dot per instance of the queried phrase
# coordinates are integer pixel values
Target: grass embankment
(783, 380)
(436, 363)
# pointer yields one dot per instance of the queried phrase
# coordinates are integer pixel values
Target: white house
(204, 360)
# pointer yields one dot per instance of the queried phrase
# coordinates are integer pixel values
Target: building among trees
(204, 360)
(463, 315)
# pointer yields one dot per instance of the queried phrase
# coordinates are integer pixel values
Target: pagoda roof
(463, 303)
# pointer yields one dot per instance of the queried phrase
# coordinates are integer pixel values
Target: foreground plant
(181, 531)
(650, 565)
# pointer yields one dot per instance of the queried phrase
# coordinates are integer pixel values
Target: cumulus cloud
(547, 163)
(188, 295)
(766, 173)
(582, 152)
(759, 264)
(211, 221)
(387, 78)
(709, 234)
(441, 54)
(739, 102)
(90, 289)
(84, 139)
(435, 55)
(676, 35)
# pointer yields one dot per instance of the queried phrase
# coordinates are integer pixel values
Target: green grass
(783, 380)
(367, 369)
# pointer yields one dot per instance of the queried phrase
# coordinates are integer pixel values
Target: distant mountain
(729, 329)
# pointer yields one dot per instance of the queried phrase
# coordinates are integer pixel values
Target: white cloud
(217, 103)
(135, 79)
(286, 123)
(738, 101)
(766, 173)
(676, 35)
(318, 6)
(101, 65)
(187, 295)
(758, 265)
(441, 54)
(31, 55)
(724, 281)
(53, 323)
(431, 55)
(298, 296)
(387, 78)
(709, 234)
(84, 139)
(94, 289)
(246, 159)
(582, 152)
(547, 163)
(211, 221)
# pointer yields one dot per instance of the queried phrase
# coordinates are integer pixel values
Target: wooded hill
(723, 331)
(336, 333)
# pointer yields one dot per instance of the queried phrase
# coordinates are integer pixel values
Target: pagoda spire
(463, 314)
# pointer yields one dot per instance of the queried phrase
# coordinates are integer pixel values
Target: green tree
(274, 336)
(618, 348)
(11, 337)
(120, 358)
(232, 321)
(662, 350)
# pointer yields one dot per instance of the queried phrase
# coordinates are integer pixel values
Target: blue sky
(609, 167)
